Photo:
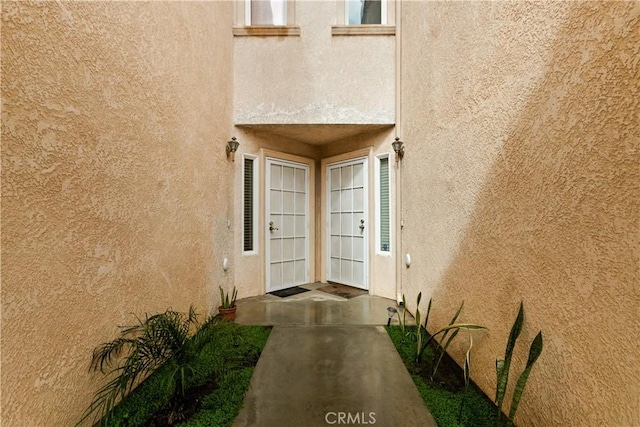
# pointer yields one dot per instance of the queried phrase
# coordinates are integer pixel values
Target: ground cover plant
(189, 373)
(452, 398)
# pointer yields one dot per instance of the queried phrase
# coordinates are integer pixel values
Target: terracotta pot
(228, 313)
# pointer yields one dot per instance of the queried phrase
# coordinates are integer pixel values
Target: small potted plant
(228, 306)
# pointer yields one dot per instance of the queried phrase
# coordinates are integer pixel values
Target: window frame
(255, 201)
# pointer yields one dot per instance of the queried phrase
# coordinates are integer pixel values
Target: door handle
(362, 224)
(271, 227)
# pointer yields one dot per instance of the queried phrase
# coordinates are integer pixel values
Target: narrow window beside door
(385, 241)
(249, 205)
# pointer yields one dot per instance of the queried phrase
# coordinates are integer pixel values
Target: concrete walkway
(318, 373)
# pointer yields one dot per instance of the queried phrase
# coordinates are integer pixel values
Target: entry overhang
(316, 134)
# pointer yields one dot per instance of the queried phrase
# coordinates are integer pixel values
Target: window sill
(363, 30)
(266, 31)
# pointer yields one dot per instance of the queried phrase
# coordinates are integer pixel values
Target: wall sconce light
(232, 146)
(398, 147)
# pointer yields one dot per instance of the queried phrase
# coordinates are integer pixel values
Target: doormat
(343, 291)
(289, 291)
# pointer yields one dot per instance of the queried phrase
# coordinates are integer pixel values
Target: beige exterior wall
(521, 126)
(315, 77)
(115, 184)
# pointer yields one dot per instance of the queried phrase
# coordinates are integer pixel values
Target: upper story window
(265, 18)
(365, 12)
(365, 18)
(266, 12)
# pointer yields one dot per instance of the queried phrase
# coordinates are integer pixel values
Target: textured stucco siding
(115, 184)
(316, 77)
(522, 128)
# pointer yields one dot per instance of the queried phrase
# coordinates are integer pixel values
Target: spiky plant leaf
(467, 376)
(503, 372)
(470, 326)
(426, 319)
(467, 363)
(404, 315)
(418, 329)
(534, 353)
(443, 350)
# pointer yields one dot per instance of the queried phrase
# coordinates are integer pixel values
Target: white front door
(348, 223)
(287, 222)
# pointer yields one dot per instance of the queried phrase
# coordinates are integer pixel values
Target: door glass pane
(276, 177)
(345, 247)
(276, 276)
(346, 175)
(335, 268)
(346, 200)
(299, 273)
(335, 201)
(346, 226)
(275, 250)
(335, 223)
(300, 226)
(300, 181)
(358, 175)
(287, 202)
(287, 273)
(300, 203)
(358, 272)
(335, 246)
(345, 270)
(287, 178)
(287, 226)
(335, 178)
(288, 249)
(299, 249)
(276, 201)
(358, 199)
(358, 248)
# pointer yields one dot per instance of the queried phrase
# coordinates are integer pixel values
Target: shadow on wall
(556, 226)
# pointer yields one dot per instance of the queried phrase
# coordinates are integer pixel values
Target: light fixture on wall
(398, 147)
(232, 146)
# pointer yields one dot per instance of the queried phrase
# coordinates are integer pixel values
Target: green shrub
(223, 350)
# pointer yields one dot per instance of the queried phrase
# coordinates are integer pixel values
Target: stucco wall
(521, 125)
(315, 77)
(115, 184)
